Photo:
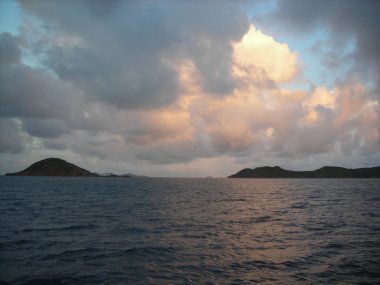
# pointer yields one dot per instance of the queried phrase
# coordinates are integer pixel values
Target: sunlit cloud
(261, 52)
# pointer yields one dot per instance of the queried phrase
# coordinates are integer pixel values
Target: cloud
(9, 53)
(125, 55)
(348, 115)
(359, 117)
(153, 126)
(27, 91)
(176, 86)
(257, 50)
(320, 99)
(12, 138)
(346, 21)
(44, 128)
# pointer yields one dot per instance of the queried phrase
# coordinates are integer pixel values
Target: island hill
(59, 167)
(324, 172)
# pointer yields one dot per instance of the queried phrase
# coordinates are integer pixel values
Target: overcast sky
(190, 88)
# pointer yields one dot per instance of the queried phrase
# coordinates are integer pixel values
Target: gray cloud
(12, 138)
(345, 20)
(44, 128)
(29, 92)
(9, 52)
(125, 55)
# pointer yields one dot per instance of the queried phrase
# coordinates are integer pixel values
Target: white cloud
(257, 50)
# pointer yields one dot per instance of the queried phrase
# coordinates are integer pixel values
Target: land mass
(324, 172)
(60, 167)
(53, 167)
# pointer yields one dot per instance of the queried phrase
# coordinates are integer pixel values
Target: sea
(189, 231)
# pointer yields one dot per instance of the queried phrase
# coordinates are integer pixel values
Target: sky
(190, 88)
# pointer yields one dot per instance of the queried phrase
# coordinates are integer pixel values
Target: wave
(67, 228)
(149, 250)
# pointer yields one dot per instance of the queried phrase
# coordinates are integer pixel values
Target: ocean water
(189, 231)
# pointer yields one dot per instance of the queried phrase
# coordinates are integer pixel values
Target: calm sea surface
(189, 231)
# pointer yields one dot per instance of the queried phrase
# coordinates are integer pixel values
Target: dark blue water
(189, 231)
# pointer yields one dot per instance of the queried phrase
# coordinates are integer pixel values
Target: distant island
(60, 167)
(324, 172)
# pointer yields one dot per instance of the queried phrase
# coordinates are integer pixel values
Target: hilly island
(60, 167)
(53, 167)
(324, 172)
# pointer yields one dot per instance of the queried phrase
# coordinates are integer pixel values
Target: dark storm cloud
(345, 20)
(126, 54)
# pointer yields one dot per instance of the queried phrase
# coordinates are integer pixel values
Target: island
(324, 172)
(53, 167)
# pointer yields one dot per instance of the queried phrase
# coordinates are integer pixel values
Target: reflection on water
(192, 231)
